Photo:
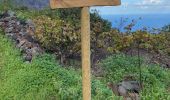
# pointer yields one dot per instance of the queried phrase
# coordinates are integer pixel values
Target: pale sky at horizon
(137, 7)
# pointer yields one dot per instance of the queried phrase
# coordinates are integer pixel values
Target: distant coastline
(147, 20)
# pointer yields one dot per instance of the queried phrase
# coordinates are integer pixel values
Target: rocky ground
(150, 57)
(22, 33)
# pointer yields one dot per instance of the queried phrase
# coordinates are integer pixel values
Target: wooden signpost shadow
(85, 34)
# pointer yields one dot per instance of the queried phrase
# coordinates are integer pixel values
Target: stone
(9, 29)
(6, 19)
(17, 23)
(114, 88)
(35, 51)
(12, 22)
(28, 57)
(9, 35)
(14, 36)
(30, 25)
(1, 23)
(29, 22)
(127, 85)
(122, 90)
(28, 51)
(29, 37)
(133, 86)
(21, 42)
(21, 32)
(22, 49)
(133, 96)
(127, 89)
(10, 13)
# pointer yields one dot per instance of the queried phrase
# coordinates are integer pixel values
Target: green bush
(43, 79)
(59, 30)
(155, 78)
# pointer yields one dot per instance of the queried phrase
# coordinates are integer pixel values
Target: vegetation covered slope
(155, 79)
(43, 79)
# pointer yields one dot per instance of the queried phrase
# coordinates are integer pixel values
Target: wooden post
(85, 34)
(85, 49)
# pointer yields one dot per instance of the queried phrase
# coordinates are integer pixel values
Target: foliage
(113, 41)
(155, 79)
(98, 27)
(59, 31)
(43, 79)
(58, 36)
(6, 4)
(166, 28)
(103, 37)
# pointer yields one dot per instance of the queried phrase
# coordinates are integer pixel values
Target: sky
(137, 7)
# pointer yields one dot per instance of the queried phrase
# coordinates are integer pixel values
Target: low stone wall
(22, 33)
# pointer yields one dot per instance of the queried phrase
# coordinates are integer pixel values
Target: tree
(166, 28)
(59, 31)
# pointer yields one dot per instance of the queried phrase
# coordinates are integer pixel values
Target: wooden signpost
(85, 34)
(82, 3)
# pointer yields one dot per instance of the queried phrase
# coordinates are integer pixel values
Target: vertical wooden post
(85, 49)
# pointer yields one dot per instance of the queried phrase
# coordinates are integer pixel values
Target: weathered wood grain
(85, 52)
(82, 3)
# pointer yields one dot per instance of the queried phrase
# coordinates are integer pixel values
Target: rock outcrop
(129, 88)
(150, 57)
(22, 33)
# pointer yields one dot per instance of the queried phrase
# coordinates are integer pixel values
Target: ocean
(149, 21)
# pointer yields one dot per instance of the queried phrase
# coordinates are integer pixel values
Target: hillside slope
(43, 79)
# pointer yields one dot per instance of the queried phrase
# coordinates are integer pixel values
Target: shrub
(155, 78)
(43, 79)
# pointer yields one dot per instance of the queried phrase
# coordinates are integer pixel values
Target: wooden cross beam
(82, 3)
(85, 34)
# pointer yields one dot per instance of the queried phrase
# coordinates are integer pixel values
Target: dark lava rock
(22, 32)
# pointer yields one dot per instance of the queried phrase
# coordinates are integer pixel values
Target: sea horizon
(156, 21)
